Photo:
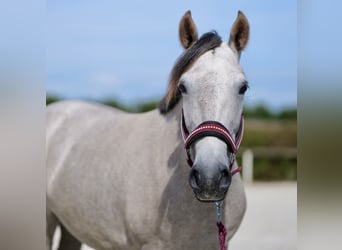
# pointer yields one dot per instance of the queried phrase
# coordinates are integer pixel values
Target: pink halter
(216, 129)
(211, 128)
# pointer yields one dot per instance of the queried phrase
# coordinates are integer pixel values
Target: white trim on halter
(212, 128)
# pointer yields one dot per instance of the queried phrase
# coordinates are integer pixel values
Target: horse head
(208, 79)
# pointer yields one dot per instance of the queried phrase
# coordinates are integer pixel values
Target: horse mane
(208, 41)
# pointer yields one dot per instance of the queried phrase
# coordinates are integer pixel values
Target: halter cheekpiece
(215, 129)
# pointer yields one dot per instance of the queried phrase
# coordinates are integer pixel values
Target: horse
(118, 180)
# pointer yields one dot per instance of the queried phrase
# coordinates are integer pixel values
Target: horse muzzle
(210, 184)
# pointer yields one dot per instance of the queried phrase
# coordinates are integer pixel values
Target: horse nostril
(225, 173)
(225, 179)
(194, 179)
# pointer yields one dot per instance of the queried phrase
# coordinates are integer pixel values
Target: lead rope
(222, 232)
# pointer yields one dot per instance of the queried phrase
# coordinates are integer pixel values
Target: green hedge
(259, 111)
(264, 128)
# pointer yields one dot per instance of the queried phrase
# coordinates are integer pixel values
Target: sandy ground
(270, 222)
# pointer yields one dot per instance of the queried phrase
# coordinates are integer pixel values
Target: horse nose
(210, 179)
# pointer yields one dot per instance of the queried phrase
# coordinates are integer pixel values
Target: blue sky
(125, 49)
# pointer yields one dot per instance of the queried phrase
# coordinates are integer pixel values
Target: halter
(215, 129)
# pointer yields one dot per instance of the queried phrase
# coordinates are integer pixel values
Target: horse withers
(121, 181)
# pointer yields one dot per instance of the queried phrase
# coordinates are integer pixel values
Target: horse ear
(239, 33)
(187, 30)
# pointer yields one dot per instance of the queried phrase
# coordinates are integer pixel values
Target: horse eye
(182, 88)
(243, 89)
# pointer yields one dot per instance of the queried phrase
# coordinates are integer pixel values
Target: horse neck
(174, 117)
(166, 140)
(176, 160)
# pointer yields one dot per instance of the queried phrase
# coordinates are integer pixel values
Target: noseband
(215, 129)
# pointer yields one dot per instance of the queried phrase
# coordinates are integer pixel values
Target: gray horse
(121, 181)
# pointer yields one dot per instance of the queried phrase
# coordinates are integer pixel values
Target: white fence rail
(248, 156)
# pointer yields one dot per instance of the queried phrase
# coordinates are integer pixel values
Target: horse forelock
(208, 41)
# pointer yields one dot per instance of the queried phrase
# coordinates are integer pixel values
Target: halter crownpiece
(215, 129)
